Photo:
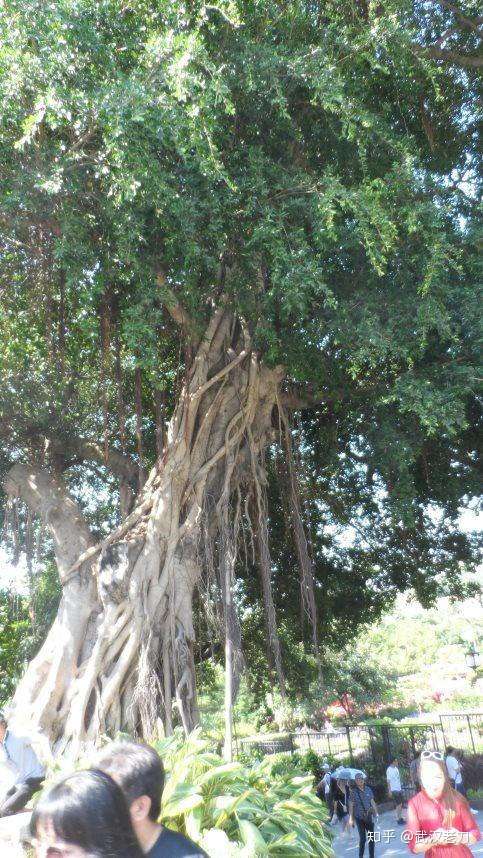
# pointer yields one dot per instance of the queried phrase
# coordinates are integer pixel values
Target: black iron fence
(372, 747)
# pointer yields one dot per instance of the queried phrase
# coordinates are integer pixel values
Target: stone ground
(388, 847)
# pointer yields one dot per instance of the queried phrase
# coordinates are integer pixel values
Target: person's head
(84, 816)
(139, 772)
(394, 762)
(3, 725)
(417, 755)
(449, 751)
(360, 780)
(434, 778)
(325, 768)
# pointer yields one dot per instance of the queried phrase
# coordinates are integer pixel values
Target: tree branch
(470, 23)
(445, 54)
(294, 401)
(48, 497)
(296, 398)
(176, 310)
(117, 462)
(84, 448)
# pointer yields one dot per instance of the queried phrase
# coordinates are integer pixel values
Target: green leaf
(252, 838)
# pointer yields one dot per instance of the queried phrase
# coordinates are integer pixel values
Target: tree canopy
(311, 166)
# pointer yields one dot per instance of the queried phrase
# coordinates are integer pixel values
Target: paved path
(388, 847)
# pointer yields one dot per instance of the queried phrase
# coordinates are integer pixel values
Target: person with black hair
(340, 795)
(394, 788)
(454, 770)
(84, 816)
(414, 771)
(324, 790)
(362, 811)
(139, 772)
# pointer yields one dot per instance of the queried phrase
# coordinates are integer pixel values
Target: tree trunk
(121, 648)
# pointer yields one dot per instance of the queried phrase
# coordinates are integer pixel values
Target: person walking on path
(454, 770)
(363, 811)
(440, 822)
(414, 771)
(394, 789)
(324, 788)
(340, 799)
(28, 771)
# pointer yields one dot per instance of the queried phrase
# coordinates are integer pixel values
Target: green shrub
(311, 762)
(473, 771)
(295, 763)
(279, 765)
(265, 807)
(234, 810)
(475, 795)
(253, 754)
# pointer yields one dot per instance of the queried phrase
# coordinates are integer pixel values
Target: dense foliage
(14, 622)
(24, 622)
(236, 810)
(317, 164)
(411, 662)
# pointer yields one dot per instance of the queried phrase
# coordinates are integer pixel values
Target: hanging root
(307, 582)
(265, 567)
(124, 631)
(147, 690)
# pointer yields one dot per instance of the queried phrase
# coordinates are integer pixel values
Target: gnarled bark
(121, 646)
(47, 496)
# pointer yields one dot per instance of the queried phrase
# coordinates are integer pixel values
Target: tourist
(414, 771)
(394, 788)
(28, 772)
(84, 816)
(324, 788)
(440, 823)
(363, 810)
(340, 795)
(139, 772)
(454, 769)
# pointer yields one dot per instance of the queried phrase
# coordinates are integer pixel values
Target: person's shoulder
(17, 738)
(172, 844)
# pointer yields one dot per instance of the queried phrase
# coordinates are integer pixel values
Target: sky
(12, 577)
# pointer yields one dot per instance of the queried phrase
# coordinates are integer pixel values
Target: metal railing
(373, 746)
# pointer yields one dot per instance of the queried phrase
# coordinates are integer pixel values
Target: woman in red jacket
(440, 822)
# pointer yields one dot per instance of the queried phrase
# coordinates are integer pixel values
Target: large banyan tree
(218, 223)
